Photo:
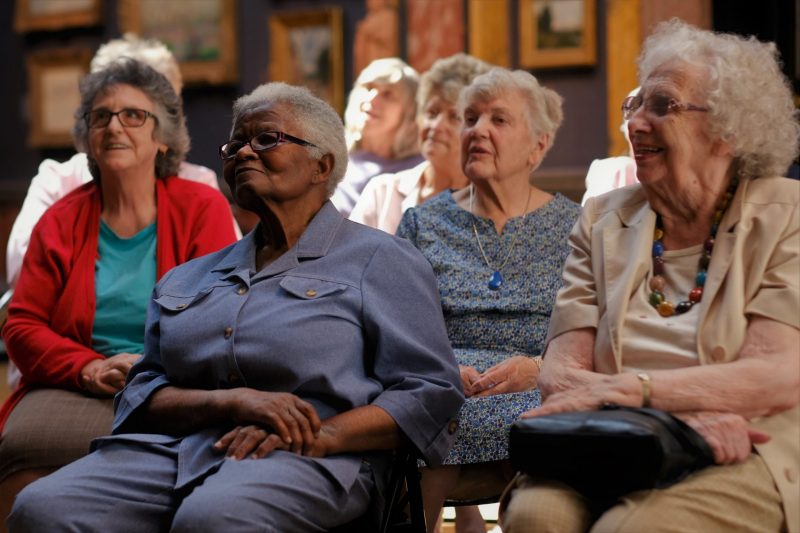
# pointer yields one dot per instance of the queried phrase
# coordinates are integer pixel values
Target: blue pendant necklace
(496, 279)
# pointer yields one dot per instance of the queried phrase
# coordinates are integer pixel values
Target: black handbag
(609, 452)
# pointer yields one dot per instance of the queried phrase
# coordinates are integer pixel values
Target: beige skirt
(50, 428)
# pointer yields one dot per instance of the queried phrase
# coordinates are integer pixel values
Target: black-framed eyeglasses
(130, 117)
(657, 104)
(266, 140)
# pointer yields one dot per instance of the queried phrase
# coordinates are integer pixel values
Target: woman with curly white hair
(683, 294)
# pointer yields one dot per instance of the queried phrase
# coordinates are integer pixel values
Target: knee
(544, 508)
(36, 508)
(207, 511)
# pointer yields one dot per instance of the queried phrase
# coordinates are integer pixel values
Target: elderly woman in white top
(683, 293)
(386, 197)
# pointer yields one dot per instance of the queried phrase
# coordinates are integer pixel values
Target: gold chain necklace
(496, 279)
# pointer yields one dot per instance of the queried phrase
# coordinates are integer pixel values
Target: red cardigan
(48, 334)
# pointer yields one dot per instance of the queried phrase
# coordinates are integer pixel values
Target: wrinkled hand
(251, 440)
(515, 374)
(618, 389)
(293, 420)
(469, 375)
(729, 435)
(106, 377)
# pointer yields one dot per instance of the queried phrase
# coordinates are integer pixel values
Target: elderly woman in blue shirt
(278, 371)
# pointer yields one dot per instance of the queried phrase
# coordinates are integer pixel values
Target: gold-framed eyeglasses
(266, 140)
(130, 117)
(657, 104)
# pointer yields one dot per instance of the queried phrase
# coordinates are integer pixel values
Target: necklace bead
(657, 282)
(496, 279)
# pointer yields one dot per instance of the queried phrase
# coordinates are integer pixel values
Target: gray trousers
(129, 487)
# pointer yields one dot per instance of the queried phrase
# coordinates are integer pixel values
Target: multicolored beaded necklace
(664, 307)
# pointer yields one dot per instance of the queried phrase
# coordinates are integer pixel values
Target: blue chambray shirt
(349, 316)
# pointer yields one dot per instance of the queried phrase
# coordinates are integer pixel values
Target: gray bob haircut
(749, 98)
(446, 78)
(316, 121)
(170, 126)
(543, 112)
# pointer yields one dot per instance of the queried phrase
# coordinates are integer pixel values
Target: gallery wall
(581, 139)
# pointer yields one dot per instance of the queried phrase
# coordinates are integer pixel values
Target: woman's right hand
(106, 377)
(729, 435)
(292, 419)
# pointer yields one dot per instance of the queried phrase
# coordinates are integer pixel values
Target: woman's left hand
(253, 441)
(515, 374)
(728, 435)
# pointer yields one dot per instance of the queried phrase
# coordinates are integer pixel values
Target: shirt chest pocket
(175, 304)
(309, 288)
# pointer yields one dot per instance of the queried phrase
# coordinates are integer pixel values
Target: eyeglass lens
(129, 117)
(263, 141)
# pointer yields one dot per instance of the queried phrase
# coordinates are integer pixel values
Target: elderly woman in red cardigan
(76, 322)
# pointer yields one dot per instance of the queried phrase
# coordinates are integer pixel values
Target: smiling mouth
(642, 151)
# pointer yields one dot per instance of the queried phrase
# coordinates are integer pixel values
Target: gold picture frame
(557, 33)
(48, 15)
(54, 94)
(201, 34)
(305, 48)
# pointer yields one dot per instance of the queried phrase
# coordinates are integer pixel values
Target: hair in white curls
(446, 78)
(543, 112)
(316, 122)
(749, 98)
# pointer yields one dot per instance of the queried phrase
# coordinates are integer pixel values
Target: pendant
(495, 281)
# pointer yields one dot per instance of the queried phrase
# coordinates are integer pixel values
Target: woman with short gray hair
(76, 320)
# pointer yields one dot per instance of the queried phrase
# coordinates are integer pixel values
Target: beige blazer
(755, 270)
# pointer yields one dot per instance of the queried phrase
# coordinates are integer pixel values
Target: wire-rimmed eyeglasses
(266, 140)
(657, 104)
(130, 117)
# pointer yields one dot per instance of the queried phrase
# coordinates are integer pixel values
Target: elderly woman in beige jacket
(684, 294)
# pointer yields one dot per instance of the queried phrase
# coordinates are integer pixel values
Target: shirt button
(241, 290)
(233, 377)
(181, 306)
(791, 474)
(452, 426)
(311, 293)
(228, 332)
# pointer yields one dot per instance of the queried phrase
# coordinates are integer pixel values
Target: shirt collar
(315, 242)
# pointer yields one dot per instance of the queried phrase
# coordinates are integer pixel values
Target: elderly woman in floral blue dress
(497, 248)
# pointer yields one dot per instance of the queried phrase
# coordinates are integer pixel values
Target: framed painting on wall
(201, 34)
(53, 94)
(305, 48)
(56, 14)
(557, 33)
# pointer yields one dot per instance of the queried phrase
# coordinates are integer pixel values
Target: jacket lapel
(721, 259)
(626, 255)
